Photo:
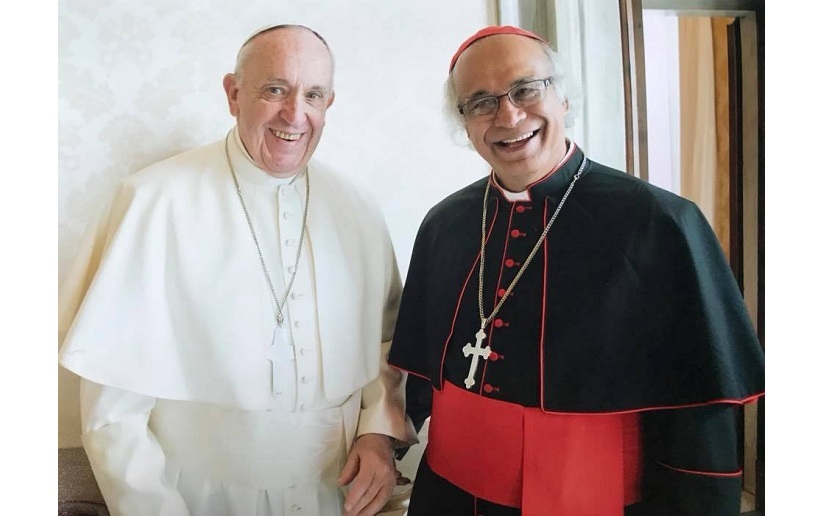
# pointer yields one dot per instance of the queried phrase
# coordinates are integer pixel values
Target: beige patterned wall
(140, 81)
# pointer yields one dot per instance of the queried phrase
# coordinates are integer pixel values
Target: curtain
(705, 146)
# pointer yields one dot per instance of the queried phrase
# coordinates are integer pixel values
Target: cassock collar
(246, 168)
(556, 181)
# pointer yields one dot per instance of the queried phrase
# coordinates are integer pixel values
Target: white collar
(249, 170)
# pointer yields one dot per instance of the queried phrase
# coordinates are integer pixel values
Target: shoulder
(632, 214)
(177, 183)
(338, 190)
(180, 169)
(326, 176)
(451, 216)
(456, 204)
(633, 198)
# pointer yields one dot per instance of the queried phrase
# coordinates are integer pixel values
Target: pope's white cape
(158, 301)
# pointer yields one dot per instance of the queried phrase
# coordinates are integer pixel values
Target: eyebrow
(282, 82)
(484, 93)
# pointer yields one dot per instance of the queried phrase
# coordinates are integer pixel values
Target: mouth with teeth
(518, 141)
(290, 137)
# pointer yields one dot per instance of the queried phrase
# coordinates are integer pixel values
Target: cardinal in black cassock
(597, 366)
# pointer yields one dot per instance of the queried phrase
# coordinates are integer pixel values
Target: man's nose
(293, 109)
(508, 114)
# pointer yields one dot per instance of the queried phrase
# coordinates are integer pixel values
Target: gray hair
(242, 52)
(566, 87)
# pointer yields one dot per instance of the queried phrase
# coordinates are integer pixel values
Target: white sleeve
(127, 460)
(383, 404)
(383, 399)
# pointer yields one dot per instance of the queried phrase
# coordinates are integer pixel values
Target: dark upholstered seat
(77, 491)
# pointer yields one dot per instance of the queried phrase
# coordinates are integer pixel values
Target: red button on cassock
(515, 233)
(498, 323)
(501, 292)
(509, 262)
(520, 209)
(493, 356)
(488, 388)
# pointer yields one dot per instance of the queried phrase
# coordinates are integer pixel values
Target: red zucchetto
(493, 30)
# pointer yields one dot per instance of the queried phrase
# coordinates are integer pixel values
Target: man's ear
(230, 86)
(331, 99)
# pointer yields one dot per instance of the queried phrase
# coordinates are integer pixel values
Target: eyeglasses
(520, 95)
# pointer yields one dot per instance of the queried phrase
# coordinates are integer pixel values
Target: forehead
(286, 54)
(493, 63)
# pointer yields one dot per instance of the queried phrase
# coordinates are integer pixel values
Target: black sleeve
(690, 462)
(419, 394)
(419, 400)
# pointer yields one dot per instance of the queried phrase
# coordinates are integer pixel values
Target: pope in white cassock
(230, 313)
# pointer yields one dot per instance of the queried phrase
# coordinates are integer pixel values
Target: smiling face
(520, 144)
(279, 96)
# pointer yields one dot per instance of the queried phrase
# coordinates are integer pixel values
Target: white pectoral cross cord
(476, 351)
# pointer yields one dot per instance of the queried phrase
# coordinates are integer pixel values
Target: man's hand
(370, 471)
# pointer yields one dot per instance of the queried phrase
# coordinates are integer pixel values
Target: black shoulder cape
(629, 304)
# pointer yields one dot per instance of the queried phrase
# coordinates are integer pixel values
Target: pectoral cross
(476, 351)
(280, 351)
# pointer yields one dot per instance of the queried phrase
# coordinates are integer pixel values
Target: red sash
(570, 464)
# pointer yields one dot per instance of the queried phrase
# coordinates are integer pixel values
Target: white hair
(242, 53)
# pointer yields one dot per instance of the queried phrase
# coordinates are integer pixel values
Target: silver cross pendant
(476, 351)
